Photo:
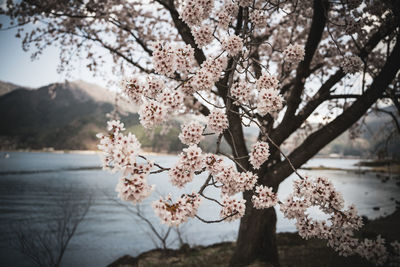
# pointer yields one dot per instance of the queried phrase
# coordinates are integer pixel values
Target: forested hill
(67, 116)
(6, 87)
(60, 115)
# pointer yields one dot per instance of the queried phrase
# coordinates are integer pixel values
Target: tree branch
(302, 72)
(284, 130)
(325, 135)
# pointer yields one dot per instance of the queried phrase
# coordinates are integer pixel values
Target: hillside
(6, 87)
(68, 115)
(61, 115)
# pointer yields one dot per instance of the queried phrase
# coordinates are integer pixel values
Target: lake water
(30, 183)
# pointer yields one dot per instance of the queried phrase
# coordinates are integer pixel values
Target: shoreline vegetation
(293, 250)
(72, 151)
(363, 161)
(373, 165)
(378, 166)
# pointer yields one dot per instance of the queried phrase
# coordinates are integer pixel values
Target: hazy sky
(17, 66)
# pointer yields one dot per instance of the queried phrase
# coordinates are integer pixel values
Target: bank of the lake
(293, 251)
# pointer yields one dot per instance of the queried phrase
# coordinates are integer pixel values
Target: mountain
(6, 87)
(68, 115)
(60, 115)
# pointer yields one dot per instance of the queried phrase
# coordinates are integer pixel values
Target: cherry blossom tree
(237, 63)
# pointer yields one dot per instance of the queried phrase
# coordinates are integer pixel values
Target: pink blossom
(152, 113)
(233, 45)
(217, 121)
(173, 214)
(264, 197)
(191, 133)
(259, 154)
(232, 209)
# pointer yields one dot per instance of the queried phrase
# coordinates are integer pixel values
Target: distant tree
(270, 64)
(160, 236)
(45, 244)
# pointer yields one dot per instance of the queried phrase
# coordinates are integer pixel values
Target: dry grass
(293, 251)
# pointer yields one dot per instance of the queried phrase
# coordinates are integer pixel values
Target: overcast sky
(18, 68)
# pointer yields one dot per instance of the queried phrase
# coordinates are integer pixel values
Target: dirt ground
(293, 251)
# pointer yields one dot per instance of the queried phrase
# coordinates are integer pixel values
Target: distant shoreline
(81, 152)
(370, 165)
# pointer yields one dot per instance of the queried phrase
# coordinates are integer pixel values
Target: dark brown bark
(257, 237)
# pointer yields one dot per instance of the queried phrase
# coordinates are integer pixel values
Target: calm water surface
(30, 183)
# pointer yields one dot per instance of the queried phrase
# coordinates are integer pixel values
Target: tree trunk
(257, 237)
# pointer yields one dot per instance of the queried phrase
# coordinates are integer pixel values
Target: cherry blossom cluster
(168, 59)
(264, 197)
(184, 58)
(233, 45)
(213, 163)
(203, 35)
(156, 101)
(267, 81)
(234, 182)
(135, 188)
(173, 214)
(269, 101)
(351, 64)
(232, 209)
(164, 58)
(172, 99)
(258, 18)
(191, 133)
(208, 74)
(154, 86)
(259, 154)
(339, 231)
(217, 121)
(195, 11)
(373, 250)
(294, 53)
(188, 89)
(215, 66)
(120, 152)
(190, 160)
(226, 14)
(242, 92)
(134, 89)
(152, 113)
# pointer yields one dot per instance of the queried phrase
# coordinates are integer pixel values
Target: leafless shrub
(46, 243)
